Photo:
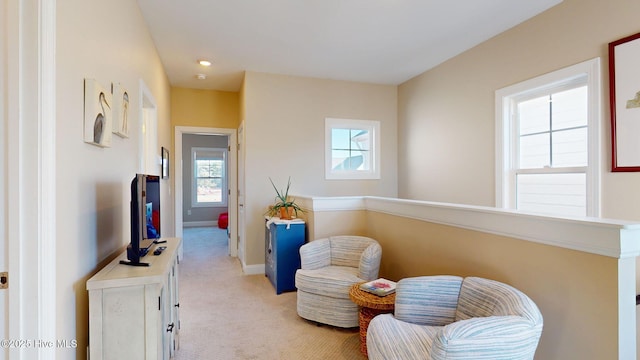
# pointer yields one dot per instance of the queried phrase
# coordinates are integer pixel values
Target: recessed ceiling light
(201, 76)
(204, 62)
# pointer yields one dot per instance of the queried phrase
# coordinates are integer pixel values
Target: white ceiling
(374, 41)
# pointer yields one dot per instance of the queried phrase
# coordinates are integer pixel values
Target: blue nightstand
(282, 242)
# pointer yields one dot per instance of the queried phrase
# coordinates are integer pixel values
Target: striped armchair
(329, 267)
(448, 317)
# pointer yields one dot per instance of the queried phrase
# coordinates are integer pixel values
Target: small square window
(352, 149)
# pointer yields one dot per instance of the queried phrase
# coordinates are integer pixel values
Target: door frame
(31, 173)
(232, 166)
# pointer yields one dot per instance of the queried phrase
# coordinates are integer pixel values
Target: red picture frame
(624, 97)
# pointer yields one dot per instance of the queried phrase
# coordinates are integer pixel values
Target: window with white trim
(352, 149)
(209, 181)
(548, 154)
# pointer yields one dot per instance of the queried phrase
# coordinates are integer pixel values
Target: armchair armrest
(315, 254)
(493, 337)
(370, 262)
(428, 300)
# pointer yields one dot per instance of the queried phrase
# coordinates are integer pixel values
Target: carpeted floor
(227, 315)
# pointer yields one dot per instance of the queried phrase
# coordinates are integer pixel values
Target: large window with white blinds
(552, 151)
(549, 154)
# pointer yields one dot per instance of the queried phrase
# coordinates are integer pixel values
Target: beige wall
(93, 183)
(575, 291)
(334, 223)
(204, 108)
(284, 136)
(446, 118)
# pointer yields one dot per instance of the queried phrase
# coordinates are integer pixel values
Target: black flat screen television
(145, 217)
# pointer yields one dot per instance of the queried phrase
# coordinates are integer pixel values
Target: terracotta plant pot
(286, 213)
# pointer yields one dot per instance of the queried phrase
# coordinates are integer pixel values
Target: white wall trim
(613, 238)
(31, 225)
(200, 223)
(47, 178)
(331, 203)
(256, 269)
(14, 316)
(4, 242)
(232, 200)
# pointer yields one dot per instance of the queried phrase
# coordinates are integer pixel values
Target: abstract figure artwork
(120, 111)
(97, 114)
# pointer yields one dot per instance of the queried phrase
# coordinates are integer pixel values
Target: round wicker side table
(370, 305)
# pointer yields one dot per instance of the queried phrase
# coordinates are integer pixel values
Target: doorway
(148, 144)
(231, 185)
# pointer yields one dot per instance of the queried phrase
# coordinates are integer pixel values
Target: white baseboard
(253, 269)
(199, 223)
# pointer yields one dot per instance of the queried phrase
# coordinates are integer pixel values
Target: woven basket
(370, 305)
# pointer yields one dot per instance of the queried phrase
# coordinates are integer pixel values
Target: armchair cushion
(332, 281)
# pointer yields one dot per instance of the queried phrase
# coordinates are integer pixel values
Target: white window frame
(505, 130)
(194, 188)
(373, 127)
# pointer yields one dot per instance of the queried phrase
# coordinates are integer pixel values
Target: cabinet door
(153, 320)
(123, 319)
(175, 310)
(165, 320)
(170, 323)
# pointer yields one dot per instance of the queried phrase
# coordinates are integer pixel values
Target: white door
(241, 232)
(4, 250)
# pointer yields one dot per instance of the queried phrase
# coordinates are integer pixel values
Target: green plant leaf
(282, 201)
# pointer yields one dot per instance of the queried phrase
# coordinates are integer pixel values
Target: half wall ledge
(609, 237)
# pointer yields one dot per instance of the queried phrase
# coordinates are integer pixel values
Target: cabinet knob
(170, 327)
(177, 305)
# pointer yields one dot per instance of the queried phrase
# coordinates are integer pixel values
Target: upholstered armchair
(448, 317)
(329, 267)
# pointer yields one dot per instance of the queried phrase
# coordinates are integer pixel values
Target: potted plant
(283, 207)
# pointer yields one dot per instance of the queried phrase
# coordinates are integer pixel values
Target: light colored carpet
(225, 314)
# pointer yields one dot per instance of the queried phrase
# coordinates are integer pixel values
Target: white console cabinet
(134, 311)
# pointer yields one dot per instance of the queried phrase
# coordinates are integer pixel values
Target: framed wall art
(97, 114)
(624, 96)
(165, 163)
(120, 110)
